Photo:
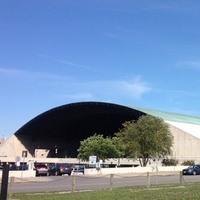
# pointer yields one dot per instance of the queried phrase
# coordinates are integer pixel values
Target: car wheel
(56, 173)
(194, 173)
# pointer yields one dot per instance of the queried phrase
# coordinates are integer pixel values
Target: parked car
(191, 170)
(78, 169)
(59, 169)
(41, 169)
(18, 167)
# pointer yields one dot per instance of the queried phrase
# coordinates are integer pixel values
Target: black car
(60, 169)
(191, 170)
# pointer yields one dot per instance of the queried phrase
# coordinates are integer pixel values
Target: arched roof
(169, 116)
(187, 123)
(77, 121)
(69, 124)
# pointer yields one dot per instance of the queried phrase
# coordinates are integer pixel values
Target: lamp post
(56, 151)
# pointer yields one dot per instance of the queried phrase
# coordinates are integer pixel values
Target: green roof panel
(169, 116)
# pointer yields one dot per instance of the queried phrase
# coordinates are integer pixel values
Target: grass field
(162, 192)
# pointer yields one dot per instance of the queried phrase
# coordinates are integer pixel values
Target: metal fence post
(148, 179)
(181, 178)
(111, 181)
(73, 184)
(10, 192)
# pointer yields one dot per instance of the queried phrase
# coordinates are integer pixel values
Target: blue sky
(139, 53)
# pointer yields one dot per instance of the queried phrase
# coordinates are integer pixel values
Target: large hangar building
(58, 132)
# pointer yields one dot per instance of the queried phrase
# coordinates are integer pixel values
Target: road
(83, 182)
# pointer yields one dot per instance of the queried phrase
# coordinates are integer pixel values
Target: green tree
(148, 137)
(99, 146)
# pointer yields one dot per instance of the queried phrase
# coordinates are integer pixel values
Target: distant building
(2, 140)
(57, 133)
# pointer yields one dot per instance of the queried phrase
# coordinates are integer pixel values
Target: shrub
(188, 162)
(169, 162)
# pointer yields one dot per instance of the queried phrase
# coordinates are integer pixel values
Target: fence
(76, 183)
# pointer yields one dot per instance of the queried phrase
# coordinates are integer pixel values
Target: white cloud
(30, 75)
(9, 71)
(75, 65)
(117, 89)
(68, 63)
(135, 88)
(73, 89)
(190, 64)
(175, 94)
(78, 96)
(183, 6)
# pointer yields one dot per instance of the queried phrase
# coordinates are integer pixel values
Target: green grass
(172, 192)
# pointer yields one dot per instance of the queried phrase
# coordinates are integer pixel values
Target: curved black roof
(77, 121)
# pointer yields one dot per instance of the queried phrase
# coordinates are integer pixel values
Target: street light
(56, 150)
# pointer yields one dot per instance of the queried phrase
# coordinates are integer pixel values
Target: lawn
(173, 192)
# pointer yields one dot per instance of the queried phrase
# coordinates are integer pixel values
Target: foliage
(148, 137)
(188, 162)
(99, 146)
(169, 162)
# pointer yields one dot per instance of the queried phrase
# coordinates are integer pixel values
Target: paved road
(83, 182)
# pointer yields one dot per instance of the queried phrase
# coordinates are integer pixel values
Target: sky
(137, 53)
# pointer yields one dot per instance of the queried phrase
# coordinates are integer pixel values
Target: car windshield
(191, 167)
(41, 166)
(64, 165)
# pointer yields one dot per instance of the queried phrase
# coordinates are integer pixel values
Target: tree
(148, 137)
(99, 146)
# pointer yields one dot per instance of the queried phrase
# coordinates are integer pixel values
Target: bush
(188, 162)
(169, 162)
